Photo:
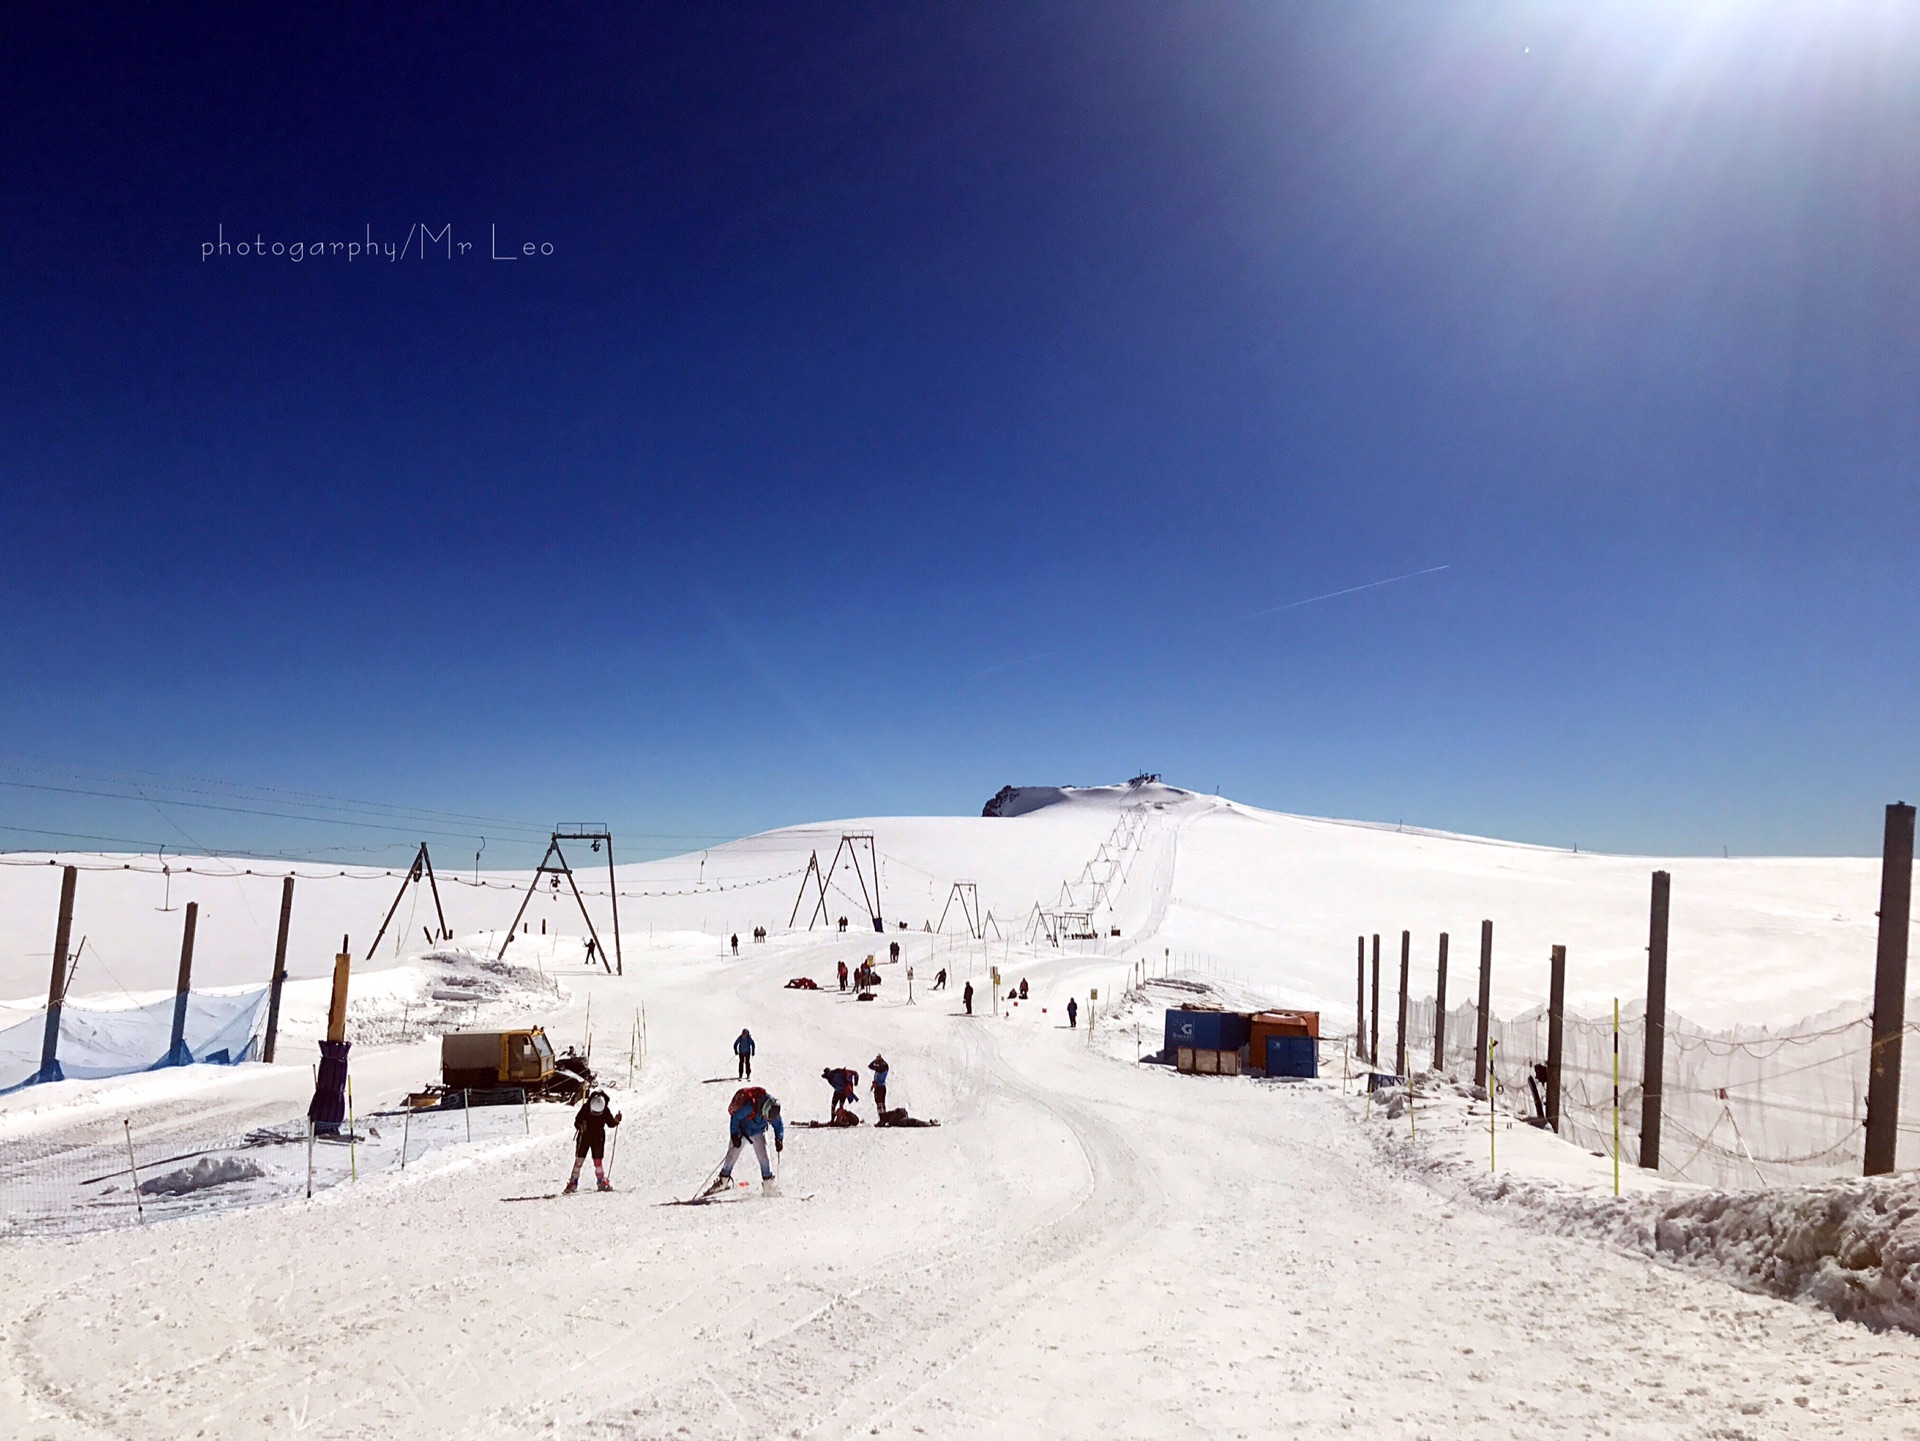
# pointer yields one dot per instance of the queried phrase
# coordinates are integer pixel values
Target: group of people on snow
(846, 1092)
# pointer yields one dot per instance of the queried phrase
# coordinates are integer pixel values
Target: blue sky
(916, 400)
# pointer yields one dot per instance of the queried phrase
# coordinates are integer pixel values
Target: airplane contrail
(1350, 590)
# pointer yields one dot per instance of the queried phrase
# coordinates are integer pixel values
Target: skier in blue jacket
(743, 1048)
(749, 1114)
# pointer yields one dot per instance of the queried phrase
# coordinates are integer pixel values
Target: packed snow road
(1084, 1247)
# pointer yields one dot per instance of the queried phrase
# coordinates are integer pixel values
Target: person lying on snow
(590, 1125)
(749, 1114)
(845, 1085)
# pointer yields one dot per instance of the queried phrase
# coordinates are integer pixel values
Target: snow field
(1086, 1246)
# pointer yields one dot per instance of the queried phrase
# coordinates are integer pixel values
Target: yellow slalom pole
(1616, 1095)
(1493, 1087)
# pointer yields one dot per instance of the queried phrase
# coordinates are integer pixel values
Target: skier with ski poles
(749, 1114)
(590, 1127)
(743, 1048)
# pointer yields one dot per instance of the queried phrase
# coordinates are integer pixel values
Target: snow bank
(201, 1175)
(1851, 1247)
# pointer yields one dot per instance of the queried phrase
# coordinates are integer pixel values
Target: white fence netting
(1752, 1106)
(110, 1172)
(95, 1041)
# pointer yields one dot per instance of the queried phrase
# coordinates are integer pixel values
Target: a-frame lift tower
(968, 894)
(422, 865)
(850, 846)
(600, 836)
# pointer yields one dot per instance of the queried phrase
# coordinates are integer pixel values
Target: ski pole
(612, 1151)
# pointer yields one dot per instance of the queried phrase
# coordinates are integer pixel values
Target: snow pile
(448, 988)
(202, 1174)
(1850, 1246)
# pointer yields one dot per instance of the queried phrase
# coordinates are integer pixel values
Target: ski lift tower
(968, 894)
(597, 834)
(862, 865)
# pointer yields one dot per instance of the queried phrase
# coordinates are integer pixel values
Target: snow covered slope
(1085, 1247)
(1273, 899)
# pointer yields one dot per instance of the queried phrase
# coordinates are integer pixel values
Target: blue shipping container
(1293, 1056)
(1206, 1030)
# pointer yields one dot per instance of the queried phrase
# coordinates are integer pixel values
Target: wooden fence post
(1486, 997)
(1373, 1034)
(177, 1052)
(57, 987)
(280, 972)
(1889, 991)
(1360, 1002)
(1400, 1040)
(1654, 1075)
(1556, 1020)
(1440, 1011)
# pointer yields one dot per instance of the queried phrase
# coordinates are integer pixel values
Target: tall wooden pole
(1654, 1072)
(57, 987)
(1440, 1011)
(1486, 1000)
(177, 1053)
(1889, 991)
(1400, 1036)
(1373, 1033)
(279, 970)
(337, 1006)
(1360, 1001)
(1556, 1021)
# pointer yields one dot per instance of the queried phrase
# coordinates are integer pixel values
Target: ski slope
(1276, 899)
(1085, 1246)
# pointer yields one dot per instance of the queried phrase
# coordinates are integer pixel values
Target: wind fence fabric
(1751, 1107)
(95, 1041)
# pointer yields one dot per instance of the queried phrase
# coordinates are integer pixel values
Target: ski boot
(603, 1184)
(769, 1186)
(720, 1183)
(569, 1188)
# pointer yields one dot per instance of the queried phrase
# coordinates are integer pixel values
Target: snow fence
(100, 1173)
(1754, 1106)
(222, 1028)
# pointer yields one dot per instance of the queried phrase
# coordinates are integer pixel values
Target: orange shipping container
(1282, 1023)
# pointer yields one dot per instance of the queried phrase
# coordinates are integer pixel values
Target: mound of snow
(1850, 1246)
(202, 1174)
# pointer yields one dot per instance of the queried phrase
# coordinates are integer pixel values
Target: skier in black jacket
(590, 1134)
